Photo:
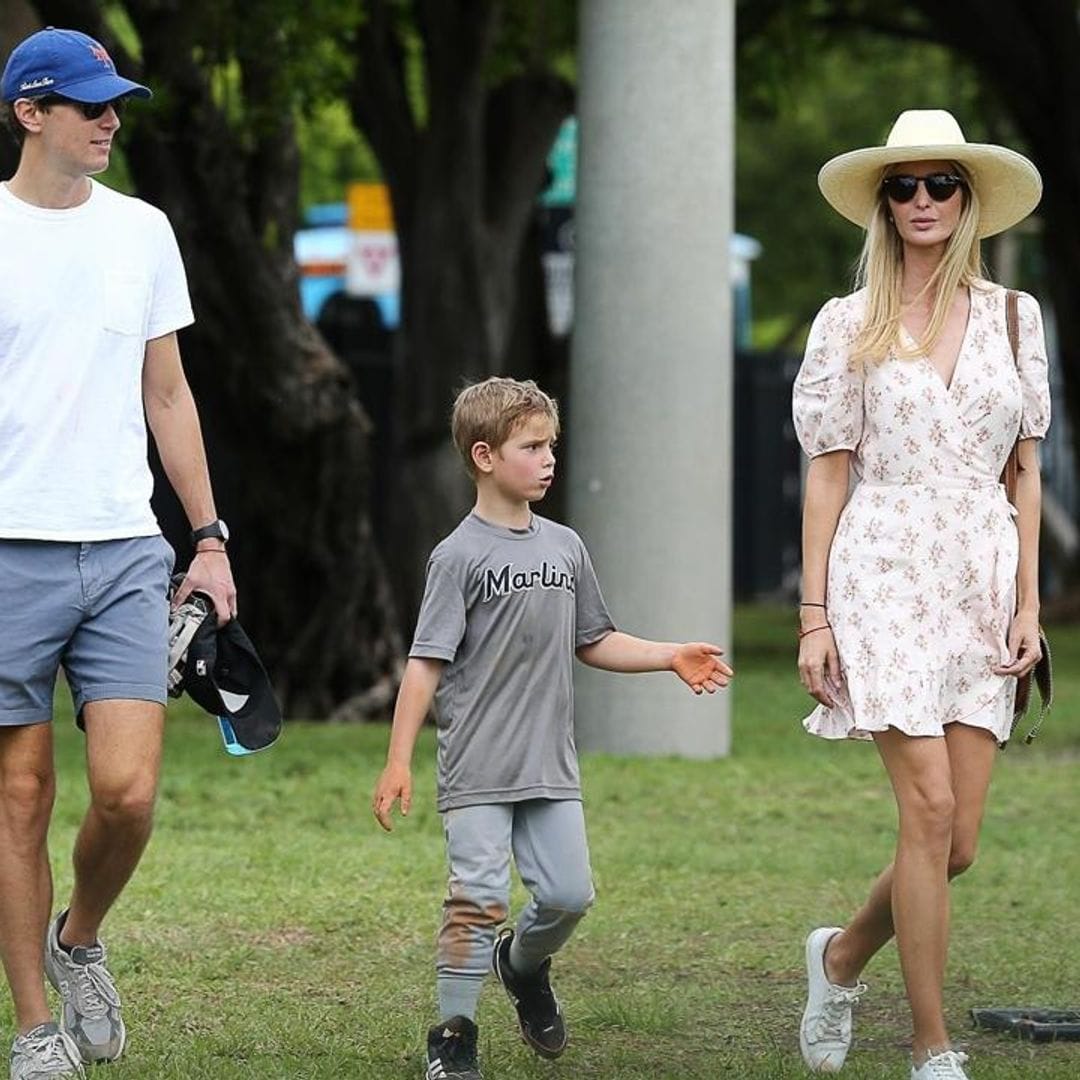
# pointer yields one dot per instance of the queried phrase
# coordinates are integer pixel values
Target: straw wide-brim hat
(1008, 185)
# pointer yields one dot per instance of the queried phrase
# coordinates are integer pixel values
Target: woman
(920, 590)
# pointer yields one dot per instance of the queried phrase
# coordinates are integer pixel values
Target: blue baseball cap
(64, 62)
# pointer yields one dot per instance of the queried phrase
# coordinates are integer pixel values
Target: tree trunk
(464, 189)
(1029, 54)
(286, 435)
(17, 20)
(9, 156)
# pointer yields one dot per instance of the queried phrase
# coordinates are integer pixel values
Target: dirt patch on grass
(280, 937)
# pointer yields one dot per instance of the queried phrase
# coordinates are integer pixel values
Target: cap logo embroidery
(99, 53)
(37, 84)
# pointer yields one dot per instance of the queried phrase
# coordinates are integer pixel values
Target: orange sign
(369, 208)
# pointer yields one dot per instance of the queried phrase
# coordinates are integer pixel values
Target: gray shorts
(100, 610)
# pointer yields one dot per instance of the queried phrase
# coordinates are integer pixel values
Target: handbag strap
(1044, 680)
(1043, 676)
(1012, 326)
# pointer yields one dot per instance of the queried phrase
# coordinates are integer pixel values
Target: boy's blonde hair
(492, 410)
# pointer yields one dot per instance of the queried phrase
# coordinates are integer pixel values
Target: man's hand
(210, 573)
(395, 783)
(698, 664)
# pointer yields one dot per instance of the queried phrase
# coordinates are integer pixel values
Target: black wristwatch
(216, 530)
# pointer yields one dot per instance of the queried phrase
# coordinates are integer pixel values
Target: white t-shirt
(81, 293)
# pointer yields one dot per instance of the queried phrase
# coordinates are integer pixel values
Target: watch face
(224, 529)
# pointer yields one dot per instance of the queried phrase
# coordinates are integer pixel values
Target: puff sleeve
(827, 399)
(1033, 370)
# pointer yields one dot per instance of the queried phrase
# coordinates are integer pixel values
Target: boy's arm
(697, 663)
(414, 698)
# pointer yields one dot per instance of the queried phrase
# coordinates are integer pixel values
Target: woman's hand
(819, 662)
(1024, 648)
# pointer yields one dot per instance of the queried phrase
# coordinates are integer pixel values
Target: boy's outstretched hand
(698, 664)
(394, 783)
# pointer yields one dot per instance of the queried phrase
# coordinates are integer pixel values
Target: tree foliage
(288, 440)
(1027, 58)
(787, 130)
(459, 100)
(463, 151)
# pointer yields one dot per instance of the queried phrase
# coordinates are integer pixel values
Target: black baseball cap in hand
(224, 675)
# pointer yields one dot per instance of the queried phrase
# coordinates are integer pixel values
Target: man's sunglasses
(91, 110)
(939, 186)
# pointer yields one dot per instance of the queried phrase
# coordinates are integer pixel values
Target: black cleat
(539, 1016)
(451, 1051)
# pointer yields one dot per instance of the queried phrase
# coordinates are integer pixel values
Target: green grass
(273, 931)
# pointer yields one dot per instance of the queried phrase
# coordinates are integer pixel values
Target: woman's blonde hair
(880, 271)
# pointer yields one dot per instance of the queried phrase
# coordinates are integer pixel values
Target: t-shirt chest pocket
(125, 302)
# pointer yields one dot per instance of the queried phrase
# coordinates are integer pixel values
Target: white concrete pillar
(651, 378)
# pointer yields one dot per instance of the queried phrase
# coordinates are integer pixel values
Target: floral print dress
(922, 569)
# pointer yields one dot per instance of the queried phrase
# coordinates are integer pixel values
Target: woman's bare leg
(969, 754)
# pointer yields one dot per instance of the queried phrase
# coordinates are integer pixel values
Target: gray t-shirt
(506, 608)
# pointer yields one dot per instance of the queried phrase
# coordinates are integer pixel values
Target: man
(92, 292)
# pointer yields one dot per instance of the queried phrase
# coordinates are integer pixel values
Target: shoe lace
(836, 1010)
(95, 992)
(947, 1066)
(49, 1051)
(459, 1050)
(535, 991)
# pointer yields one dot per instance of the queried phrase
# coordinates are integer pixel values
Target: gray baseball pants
(547, 839)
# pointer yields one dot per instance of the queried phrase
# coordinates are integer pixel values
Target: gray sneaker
(44, 1053)
(91, 1005)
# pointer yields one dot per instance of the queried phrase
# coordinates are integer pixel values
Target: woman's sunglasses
(939, 186)
(91, 110)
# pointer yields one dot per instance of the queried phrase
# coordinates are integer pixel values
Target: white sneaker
(948, 1065)
(825, 1031)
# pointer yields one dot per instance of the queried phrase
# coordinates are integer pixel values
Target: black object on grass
(1035, 1024)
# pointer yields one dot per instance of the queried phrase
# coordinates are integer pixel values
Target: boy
(510, 598)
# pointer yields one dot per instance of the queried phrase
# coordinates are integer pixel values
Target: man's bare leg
(27, 789)
(123, 755)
